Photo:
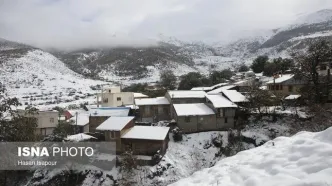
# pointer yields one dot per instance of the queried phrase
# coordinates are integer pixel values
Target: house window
(105, 100)
(52, 120)
(223, 112)
(277, 87)
(187, 119)
(280, 87)
(109, 91)
(112, 134)
(322, 67)
(290, 88)
(118, 98)
(226, 120)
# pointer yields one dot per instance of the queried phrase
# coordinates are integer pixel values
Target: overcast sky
(83, 23)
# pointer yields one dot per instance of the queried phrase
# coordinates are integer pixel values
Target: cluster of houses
(125, 117)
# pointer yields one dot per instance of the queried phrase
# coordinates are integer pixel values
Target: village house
(138, 95)
(225, 111)
(141, 140)
(235, 97)
(153, 109)
(47, 121)
(113, 97)
(324, 68)
(285, 85)
(245, 85)
(185, 96)
(99, 115)
(114, 128)
(80, 122)
(194, 117)
(293, 100)
(146, 140)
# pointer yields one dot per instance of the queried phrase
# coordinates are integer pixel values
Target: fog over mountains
(127, 65)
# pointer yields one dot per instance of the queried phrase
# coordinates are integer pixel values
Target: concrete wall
(46, 121)
(222, 125)
(196, 123)
(115, 136)
(154, 113)
(144, 147)
(95, 121)
(44, 131)
(229, 113)
(83, 129)
(285, 89)
(115, 99)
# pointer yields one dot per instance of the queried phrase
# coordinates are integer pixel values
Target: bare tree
(306, 65)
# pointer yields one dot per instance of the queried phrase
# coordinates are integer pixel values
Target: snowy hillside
(280, 42)
(136, 65)
(304, 159)
(315, 17)
(39, 78)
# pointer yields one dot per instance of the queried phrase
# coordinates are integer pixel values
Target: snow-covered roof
(303, 159)
(193, 109)
(140, 95)
(91, 106)
(290, 97)
(219, 90)
(147, 133)
(234, 96)
(219, 85)
(152, 101)
(281, 79)
(114, 123)
(132, 106)
(220, 101)
(82, 119)
(186, 93)
(78, 111)
(202, 88)
(209, 88)
(110, 111)
(79, 137)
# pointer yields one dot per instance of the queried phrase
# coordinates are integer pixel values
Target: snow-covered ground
(303, 159)
(39, 78)
(203, 64)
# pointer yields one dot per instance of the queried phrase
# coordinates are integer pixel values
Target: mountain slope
(281, 42)
(129, 65)
(38, 77)
(304, 159)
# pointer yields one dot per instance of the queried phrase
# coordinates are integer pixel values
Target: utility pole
(102, 96)
(76, 130)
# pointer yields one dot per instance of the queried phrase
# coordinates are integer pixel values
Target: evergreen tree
(190, 80)
(259, 63)
(243, 68)
(168, 80)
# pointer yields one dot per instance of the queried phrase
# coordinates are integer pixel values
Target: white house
(113, 97)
